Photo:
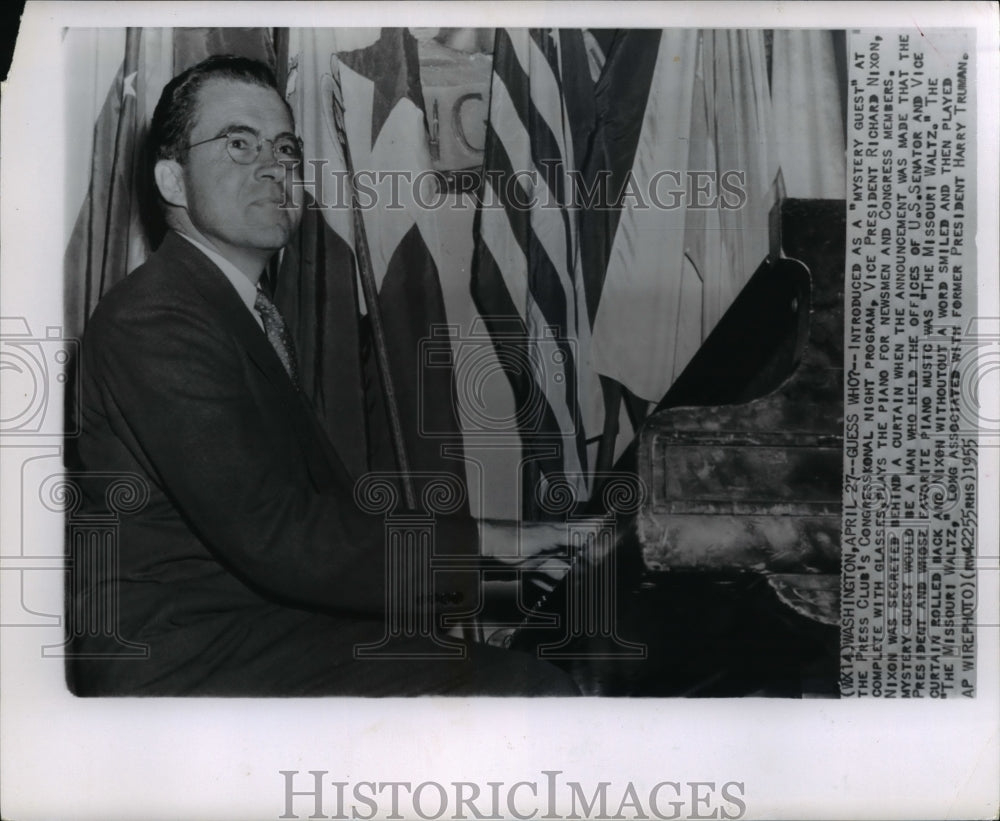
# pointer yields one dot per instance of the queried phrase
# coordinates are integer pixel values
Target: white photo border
(70, 758)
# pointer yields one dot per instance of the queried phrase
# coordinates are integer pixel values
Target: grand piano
(729, 581)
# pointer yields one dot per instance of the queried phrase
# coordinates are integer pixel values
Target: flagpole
(611, 390)
(370, 291)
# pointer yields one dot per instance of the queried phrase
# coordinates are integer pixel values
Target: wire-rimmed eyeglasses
(244, 146)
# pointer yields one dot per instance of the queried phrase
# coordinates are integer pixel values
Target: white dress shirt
(246, 290)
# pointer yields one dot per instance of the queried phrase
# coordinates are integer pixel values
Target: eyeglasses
(244, 147)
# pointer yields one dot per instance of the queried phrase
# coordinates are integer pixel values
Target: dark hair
(173, 119)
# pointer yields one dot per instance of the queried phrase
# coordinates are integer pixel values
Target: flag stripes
(527, 263)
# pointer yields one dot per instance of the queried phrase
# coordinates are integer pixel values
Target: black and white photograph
(575, 411)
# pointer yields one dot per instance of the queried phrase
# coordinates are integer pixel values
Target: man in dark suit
(250, 570)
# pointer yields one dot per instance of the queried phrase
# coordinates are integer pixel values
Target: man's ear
(170, 181)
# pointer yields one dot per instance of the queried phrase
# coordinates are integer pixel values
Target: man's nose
(267, 162)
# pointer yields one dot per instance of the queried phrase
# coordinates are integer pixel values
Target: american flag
(617, 288)
(527, 280)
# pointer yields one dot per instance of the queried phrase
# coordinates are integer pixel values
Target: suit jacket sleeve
(219, 439)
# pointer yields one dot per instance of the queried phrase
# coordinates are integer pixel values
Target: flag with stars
(375, 75)
(108, 239)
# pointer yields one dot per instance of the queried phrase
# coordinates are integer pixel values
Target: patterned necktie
(277, 335)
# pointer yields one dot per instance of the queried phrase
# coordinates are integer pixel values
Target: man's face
(240, 208)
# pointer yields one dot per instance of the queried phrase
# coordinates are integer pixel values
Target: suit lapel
(324, 462)
(226, 305)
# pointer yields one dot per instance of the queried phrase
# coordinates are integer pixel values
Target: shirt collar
(246, 290)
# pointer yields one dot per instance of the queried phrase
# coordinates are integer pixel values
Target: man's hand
(540, 547)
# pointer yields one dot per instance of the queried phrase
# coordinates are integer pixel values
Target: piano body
(743, 458)
(730, 581)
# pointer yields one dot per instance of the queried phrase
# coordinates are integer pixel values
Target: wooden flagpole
(370, 291)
